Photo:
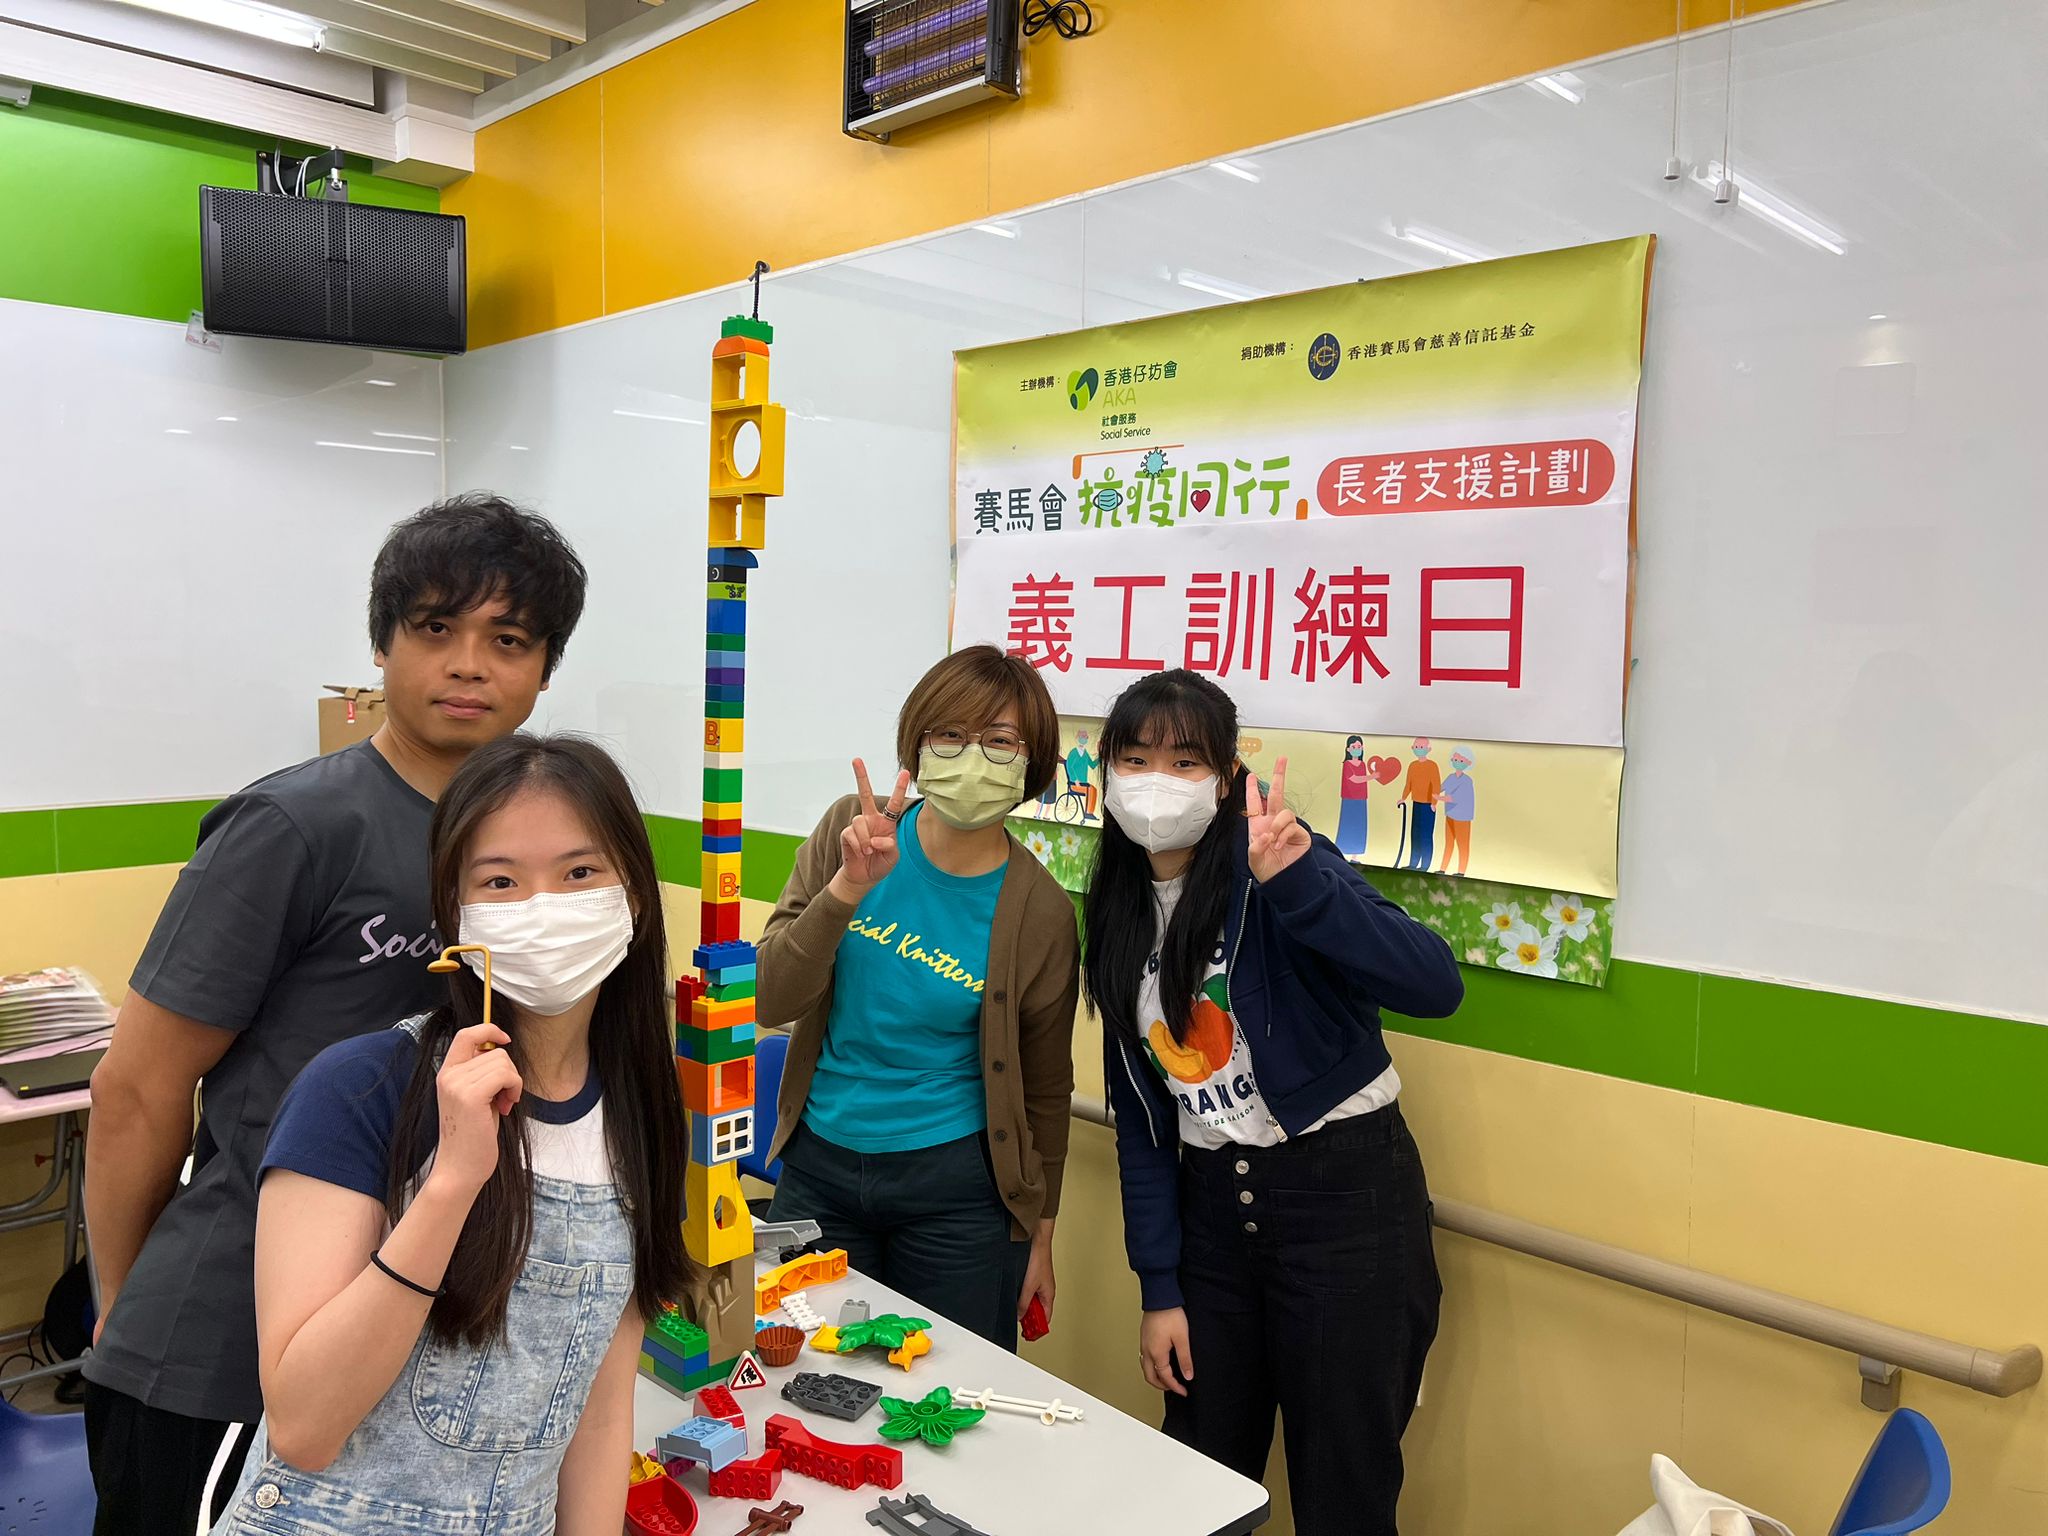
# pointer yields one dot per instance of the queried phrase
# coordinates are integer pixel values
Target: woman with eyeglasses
(927, 966)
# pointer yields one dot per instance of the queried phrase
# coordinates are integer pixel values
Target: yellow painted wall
(1548, 1390)
(673, 172)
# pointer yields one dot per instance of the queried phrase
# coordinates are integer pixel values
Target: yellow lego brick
(725, 736)
(709, 1013)
(731, 449)
(721, 877)
(738, 522)
(717, 1227)
(721, 810)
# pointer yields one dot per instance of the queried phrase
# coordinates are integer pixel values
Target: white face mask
(550, 950)
(1159, 812)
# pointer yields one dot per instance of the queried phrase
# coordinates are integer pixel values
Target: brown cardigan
(1027, 1010)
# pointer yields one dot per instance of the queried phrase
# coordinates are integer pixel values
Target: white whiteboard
(1838, 747)
(178, 585)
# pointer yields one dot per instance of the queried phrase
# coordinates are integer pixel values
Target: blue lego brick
(722, 1138)
(730, 557)
(721, 845)
(725, 617)
(724, 693)
(712, 1441)
(728, 677)
(710, 958)
(730, 975)
(656, 1349)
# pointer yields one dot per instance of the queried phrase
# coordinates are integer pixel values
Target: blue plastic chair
(769, 1051)
(1902, 1484)
(45, 1481)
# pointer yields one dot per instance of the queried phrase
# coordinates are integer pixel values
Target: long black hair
(1183, 712)
(630, 1048)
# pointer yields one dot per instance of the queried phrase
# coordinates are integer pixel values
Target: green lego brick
(725, 642)
(680, 1334)
(731, 992)
(726, 591)
(724, 709)
(722, 784)
(712, 1046)
(740, 325)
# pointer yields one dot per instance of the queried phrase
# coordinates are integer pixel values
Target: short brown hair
(970, 688)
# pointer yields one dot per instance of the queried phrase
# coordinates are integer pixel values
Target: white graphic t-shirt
(1209, 1074)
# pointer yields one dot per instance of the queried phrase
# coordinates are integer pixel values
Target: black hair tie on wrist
(411, 1285)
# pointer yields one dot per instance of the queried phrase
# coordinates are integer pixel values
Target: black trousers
(929, 1223)
(149, 1466)
(1310, 1282)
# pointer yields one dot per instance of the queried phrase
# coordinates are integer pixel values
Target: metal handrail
(1878, 1346)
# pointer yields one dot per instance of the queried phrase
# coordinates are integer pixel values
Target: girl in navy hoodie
(1275, 1208)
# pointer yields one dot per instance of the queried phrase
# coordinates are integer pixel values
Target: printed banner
(1390, 510)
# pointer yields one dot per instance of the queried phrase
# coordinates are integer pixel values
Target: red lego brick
(722, 826)
(719, 1403)
(688, 990)
(843, 1466)
(721, 924)
(756, 1479)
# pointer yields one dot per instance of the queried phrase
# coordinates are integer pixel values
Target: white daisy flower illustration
(1530, 955)
(1569, 916)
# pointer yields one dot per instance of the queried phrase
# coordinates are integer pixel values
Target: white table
(1009, 1475)
(67, 1171)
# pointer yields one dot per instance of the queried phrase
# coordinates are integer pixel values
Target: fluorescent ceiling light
(1235, 168)
(255, 20)
(1880, 317)
(997, 230)
(1565, 86)
(1443, 245)
(517, 447)
(1773, 209)
(424, 453)
(410, 437)
(227, 418)
(383, 383)
(688, 421)
(177, 431)
(1222, 288)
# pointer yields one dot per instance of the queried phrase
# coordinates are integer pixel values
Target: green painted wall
(99, 203)
(1959, 1079)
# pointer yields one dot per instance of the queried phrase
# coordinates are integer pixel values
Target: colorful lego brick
(715, 1047)
(756, 1479)
(785, 1280)
(715, 959)
(721, 921)
(723, 810)
(730, 975)
(721, 784)
(716, 1087)
(725, 709)
(714, 843)
(733, 346)
(683, 1337)
(722, 1138)
(733, 575)
(730, 991)
(843, 1466)
(725, 762)
(728, 427)
(688, 990)
(725, 677)
(721, 826)
(725, 618)
(740, 519)
(678, 1366)
(726, 591)
(724, 693)
(724, 735)
(719, 1403)
(717, 1227)
(720, 877)
(745, 557)
(712, 1441)
(725, 643)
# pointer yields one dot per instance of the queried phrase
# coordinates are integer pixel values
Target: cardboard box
(352, 717)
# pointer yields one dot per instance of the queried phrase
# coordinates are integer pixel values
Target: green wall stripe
(100, 202)
(1957, 1079)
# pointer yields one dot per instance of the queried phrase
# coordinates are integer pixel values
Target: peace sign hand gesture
(867, 848)
(1277, 838)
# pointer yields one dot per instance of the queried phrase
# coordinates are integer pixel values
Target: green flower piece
(889, 1330)
(934, 1420)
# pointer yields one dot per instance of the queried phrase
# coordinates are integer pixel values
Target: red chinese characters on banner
(1573, 473)
(1041, 620)
(1124, 660)
(1218, 639)
(1508, 624)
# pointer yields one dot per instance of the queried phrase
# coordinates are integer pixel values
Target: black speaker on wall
(305, 269)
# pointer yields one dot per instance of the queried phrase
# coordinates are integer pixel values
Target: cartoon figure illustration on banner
(1460, 801)
(1419, 798)
(1352, 790)
(1079, 763)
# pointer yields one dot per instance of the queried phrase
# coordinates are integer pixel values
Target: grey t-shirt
(304, 918)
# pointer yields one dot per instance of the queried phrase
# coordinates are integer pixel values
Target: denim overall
(469, 1442)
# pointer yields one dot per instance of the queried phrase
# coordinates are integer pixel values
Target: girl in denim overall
(461, 1226)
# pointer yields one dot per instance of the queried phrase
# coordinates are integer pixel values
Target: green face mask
(969, 791)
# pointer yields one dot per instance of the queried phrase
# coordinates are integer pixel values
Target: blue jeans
(1421, 834)
(928, 1223)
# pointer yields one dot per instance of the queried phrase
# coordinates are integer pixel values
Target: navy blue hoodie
(1312, 955)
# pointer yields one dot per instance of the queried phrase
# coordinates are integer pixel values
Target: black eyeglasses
(998, 746)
